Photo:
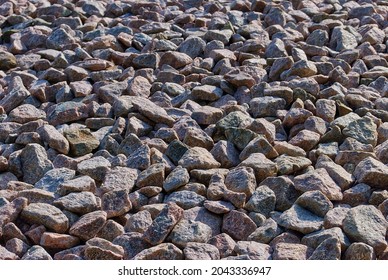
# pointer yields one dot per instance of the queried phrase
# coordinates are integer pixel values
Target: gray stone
(201, 251)
(189, 231)
(300, 219)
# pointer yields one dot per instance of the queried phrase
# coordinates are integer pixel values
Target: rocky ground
(193, 129)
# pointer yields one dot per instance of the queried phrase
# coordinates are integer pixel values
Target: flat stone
(53, 178)
(47, 215)
(119, 178)
(58, 241)
(207, 93)
(316, 202)
(164, 251)
(300, 219)
(185, 199)
(152, 111)
(189, 231)
(79, 203)
(363, 130)
(101, 249)
(201, 251)
(255, 250)
(290, 251)
(198, 157)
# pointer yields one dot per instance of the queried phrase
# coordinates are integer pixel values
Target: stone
(241, 179)
(35, 163)
(364, 223)
(164, 251)
(101, 249)
(138, 222)
(79, 184)
(36, 252)
(284, 190)
(152, 176)
(81, 141)
(363, 130)
(316, 202)
(7, 255)
(255, 250)
(357, 195)
(300, 219)
(152, 111)
(224, 243)
(79, 203)
(47, 215)
(53, 178)
(198, 157)
(163, 224)
(320, 180)
(54, 139)
(372, 172)
(330, 249)
(185, 199)
(192, 46)
(116, 203)
(262, 166)
(139, 86)
(7, 61)
(175, 59)
(67, 112)
(58, 240)
(88, 225)
(17, 246)
(238, 225)
(218, 207)
(288, 165)
(314, 239)
(266, 106)
(111, 230)
(201, 251)
(335, 216)
(132, 243)
(96, 167)
(360, 251)
(266, 232)
(291, 251)
(263, 201)
(187, 231)
(177, 178)
(207, 93)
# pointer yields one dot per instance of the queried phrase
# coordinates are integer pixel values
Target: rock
(96, 167)
(67, 112)
(316, 202)
(54, 139)
(290, 251)
(132, 243)
(218, 207)
(47, 215)
(111, 230)
(342, 39)
(241, 179)
(319, 180)
(258, 145)
(177, 178)
(163, 224)
(359, 251)
(7, 61)
(255, 250)
(266, 232)
(53, 178)
(139, 222)
(152, 176)
(187, 231)
(35, 163)
(364, 223)
(207, 115)
(300, 219)
(198, 157)
(192, 46)
(262, 166)
(262, 201)
(152, 111)
(164, 251)
(335, 216)
(363, 130)
(119, 178)
(36, 252)
(266, 106)
(79, 203)
(314, 239)
(185, 199)
(372, 172)
(238, 225)
(81, 141)
(116, 203)
(101, 249)
(88, 225)
(175, 59)
(7, 255)
(201, 251)
(224, 243)
(207, 93)
(288, 165)
(58, 241)
(330, 249)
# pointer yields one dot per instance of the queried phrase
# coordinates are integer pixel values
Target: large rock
(366, 224)
(372, 172)
(35, 163)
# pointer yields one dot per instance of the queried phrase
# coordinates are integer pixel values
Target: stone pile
(193, 129)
